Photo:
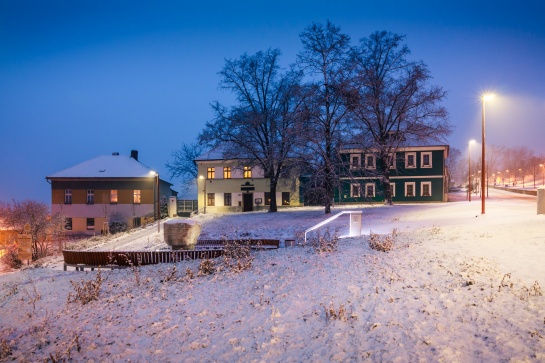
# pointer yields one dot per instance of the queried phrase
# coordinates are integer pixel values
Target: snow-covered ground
(458, 287)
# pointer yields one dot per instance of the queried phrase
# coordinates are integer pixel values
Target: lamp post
(483, 163)
(158, 200)
(543, 168)
(204, 193)
(469, 171)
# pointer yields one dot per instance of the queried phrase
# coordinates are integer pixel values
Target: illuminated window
(426, 160)
(285, 198)
(210, 173)
(410, 160)
(227, 172)
(409, 189)
(355, 190)
(90, 196)
(370, 190)
(68, 196)
(247, 172)
(113, 196)
(267, 198)
(90, 223)
(211, 199)
(137, 197)
(227, 199)
(426, 189)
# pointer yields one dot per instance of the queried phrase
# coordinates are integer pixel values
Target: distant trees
(263, 127)
(183, 165)
(43, 226)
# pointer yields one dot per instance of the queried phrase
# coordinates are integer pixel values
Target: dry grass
(237, 255)
(207, 267)
(385, 244)
(86, 291)
(325, 243)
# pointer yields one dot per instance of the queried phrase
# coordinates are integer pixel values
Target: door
(247, 199)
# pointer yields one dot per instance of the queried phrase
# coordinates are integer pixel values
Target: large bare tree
(183, 165)
(263, 126)
(394, 103)
(324, 61)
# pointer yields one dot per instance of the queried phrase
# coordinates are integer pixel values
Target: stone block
(181, 234)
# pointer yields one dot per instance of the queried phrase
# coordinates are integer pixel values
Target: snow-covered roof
(106, 166)
(213, 154)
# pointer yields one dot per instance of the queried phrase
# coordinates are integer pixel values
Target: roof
(213, 154)
(106, 166)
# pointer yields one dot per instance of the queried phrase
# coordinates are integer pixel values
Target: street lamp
(485, 97)
(204, 192)
(469, 170)
(158, 196)
(542, 167)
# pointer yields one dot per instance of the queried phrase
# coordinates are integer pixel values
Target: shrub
(11, 256)
(383, 245)
(237, 255)
(207, 267)
(86, 291)
(118, 226)
(325, 243)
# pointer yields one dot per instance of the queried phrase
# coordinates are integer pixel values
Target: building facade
(417, 174)
(106, 189)
(233, 186)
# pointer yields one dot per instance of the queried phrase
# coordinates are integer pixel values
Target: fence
(185, 206)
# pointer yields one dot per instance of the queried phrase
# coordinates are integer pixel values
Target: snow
(458, 287)
(106, 166)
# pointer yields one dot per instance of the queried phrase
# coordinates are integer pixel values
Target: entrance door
(247, 199)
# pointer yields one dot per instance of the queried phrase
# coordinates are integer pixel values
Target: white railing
(354, 225)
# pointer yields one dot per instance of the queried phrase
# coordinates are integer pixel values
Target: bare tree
(454, 165)
(183, 165)
(324, 60)
(43, 225)
(264, 126)
(394, 102)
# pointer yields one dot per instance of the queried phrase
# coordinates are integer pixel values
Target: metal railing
(330, 219)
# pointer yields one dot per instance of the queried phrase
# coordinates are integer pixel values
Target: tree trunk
(273, 206)
(386, 181)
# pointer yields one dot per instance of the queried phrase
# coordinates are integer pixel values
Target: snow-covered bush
(383, 245)
(207, 267)
(327, 242)
(86, 291)
(11, 256)
(237, 255)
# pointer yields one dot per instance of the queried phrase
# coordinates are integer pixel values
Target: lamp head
(488, 96)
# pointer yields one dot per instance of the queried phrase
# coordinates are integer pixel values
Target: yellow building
(236, 186)
(108, 188)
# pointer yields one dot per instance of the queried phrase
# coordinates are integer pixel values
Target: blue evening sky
(79, 79)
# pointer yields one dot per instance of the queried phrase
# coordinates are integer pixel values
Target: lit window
(227, 172)
(90, 223)
(285, 198)
(137, 197)
(267, 198)
(113, 196)
(369, 190)
(247, 172)
(426, 189)
(355, 190)
(90, 196)
(211, 199)
(370, 161)
(410, 160)
(68, 196)
(210, 173)
(227, 199)
(409, 189)
(426, 160)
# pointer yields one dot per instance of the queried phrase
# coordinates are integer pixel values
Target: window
(247, 172)
(393, 189)
(426, 160)
(409, 189)
(354, 161)
(285, 198)
(426, 189)
(136, 222)
(267, 198)
(90, 224)
(68, 196)
(113, 196)
(68, 224)
(227, 199)
(90, 196)
(210, 173)
(227, 172)
(211, 199)
(355, 190)
(369, 190)
(137, 197)
(392, 161)
(370, 161)
(410, 160)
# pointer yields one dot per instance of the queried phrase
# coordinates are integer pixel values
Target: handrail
(324, 222)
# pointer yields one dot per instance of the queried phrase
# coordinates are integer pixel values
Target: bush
(326, 242)
(118, 226)
(11, 256)
(237, 255)
(384, 245)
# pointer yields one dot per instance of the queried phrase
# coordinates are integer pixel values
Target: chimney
(134, 154)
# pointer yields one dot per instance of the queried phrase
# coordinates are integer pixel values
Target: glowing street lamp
(485, 97)
(204, 192)
(469, 170)
(158, 196)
